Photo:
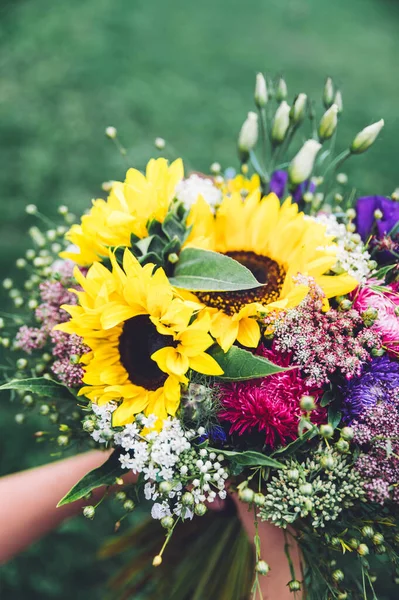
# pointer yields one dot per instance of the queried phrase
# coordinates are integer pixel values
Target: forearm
(28, 500)
(274, 585)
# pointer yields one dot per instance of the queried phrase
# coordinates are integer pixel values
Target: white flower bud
(328, 93)
(302, 164)
(215, 168)
(328, 122)
(160, 143)
(249, 133)
(111, 132)
(338, 101)
(282, 90)
(281, 122)
(297, 112)
(366, 137)
(31, 209)
(261, 96)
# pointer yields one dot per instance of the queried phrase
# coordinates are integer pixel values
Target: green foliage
(207, 271)
(40, 386)
(239, 364)
(104, 475)
(250, 458)
(150, 68)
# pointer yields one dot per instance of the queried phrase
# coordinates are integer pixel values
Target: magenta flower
(387, 322)
(269, 405)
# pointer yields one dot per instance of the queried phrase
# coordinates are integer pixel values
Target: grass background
(178, 69)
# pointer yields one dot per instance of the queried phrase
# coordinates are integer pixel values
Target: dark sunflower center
(266, 271)
(139, 340)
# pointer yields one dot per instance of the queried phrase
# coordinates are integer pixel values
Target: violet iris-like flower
(278, 184)
(378, 380)
(365, 219)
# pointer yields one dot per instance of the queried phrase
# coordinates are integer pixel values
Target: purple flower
(278, 184)
(365, 208)
(378, 381)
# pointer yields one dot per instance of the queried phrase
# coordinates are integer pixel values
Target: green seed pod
(294, 585)
(338, 575)
(188, 499)
(342, 446)
(246, 495)
(200, 510)
(259, 499)
(363, 550)
(167, 522)
(165, 487)
(347, 433)
(128, 505)
(326, 431)
(89, 512)
(307, 403)
(262, 567)
(381, 549)
(120, 496)
(367, 531)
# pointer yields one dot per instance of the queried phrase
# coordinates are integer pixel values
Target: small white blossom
(188, 190)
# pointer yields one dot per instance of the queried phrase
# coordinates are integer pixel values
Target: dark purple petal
(390, 216)
(278, 182)
(365, 208)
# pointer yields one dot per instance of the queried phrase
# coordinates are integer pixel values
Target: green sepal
(173, 228)
(207, 271)
(240, 365)
(104, 475)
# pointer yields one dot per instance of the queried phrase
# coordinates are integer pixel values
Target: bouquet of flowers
(229, 334)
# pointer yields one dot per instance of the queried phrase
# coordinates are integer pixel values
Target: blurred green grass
(180, 70)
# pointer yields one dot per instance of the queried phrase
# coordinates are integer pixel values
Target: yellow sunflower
(143, 338)
(127, 211)
(276, 243)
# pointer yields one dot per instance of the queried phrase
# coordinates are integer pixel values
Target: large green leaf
(250, 458)
(207, 271)
(239, 364)
(104, 475)
(38, 385)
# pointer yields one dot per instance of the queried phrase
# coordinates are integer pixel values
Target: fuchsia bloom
(387, 322)
(269, 405)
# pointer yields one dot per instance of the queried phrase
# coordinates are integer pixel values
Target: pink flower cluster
(377, 433)
(322, 343)
(385, 302)
(67, 348)
(269, 405)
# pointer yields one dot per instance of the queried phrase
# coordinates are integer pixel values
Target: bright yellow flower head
(277, 244)
(143, 339)
(241, 184)
(127, 211)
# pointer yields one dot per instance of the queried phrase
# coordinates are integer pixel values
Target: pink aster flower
(387, 322)
(269, 405)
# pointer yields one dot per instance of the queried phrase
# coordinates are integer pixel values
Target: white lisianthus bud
(282, 90)
(111, 132)
(328, 123)
(249, 133)
(328, 93)
(297, 112)
(281, 123)
(261, 96)
(301, 165)
(366, 137)
(338, 101)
